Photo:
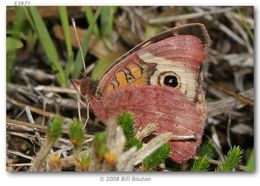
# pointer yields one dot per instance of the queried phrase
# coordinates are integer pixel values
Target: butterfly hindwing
(169, 109)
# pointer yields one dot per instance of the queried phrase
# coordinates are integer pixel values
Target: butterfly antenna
(76, 33)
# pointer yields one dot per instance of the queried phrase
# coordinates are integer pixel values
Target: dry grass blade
(242, 32)
(55, 89)
(124, 163)
(12, 122)
(20, 154)
(227, 104)
(232, 34)
(155, 143)
(115, 137)
(34, 109)
(149, 129)
(222, 27)
(36, 74)
(226, 90)
(163, 20)
(129, 159)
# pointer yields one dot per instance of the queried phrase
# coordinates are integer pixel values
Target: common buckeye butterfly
(160, 81)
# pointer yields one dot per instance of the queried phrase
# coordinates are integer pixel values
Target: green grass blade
(90, 17)
(107, 19)
(13, 43)
(19, 20)
(65, 26)
(250, 166)
(29, 17)
(84, 46)
(47, 44)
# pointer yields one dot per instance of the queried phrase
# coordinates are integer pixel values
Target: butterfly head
(85, 87)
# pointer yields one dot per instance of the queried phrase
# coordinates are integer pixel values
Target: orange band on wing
(135, 70)
(121, 79)
(140, 81)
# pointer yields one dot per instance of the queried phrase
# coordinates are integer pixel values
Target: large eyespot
(169, 79)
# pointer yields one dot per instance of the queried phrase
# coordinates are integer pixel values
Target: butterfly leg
(79, 102)
(79, 111)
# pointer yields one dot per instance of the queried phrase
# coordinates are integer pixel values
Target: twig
(19, 164)
(183, 137)
(124, 161)
(55, 89)
(115, 137)
(163, 20)
(44, 108)
(248, 20)
(64, 102)
(19, 154)
(148, 130)
(217, 145)
(226, 90)
(39, 75)
(25, 124)
(155, 143)
(222, 27)
(41, 156)
(60, 143)
(33, 109)
(229, 32)
(29, 114)
(228, 133)
(23, 90)
(227, 104)
(43, 128)
(230, 16)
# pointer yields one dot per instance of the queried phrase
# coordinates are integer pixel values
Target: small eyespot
(171, 81)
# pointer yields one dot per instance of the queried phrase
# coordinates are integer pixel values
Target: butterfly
(160, 81)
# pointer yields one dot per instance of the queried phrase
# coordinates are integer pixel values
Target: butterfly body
(160, 82)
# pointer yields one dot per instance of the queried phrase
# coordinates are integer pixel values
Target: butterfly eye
(169, 79)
